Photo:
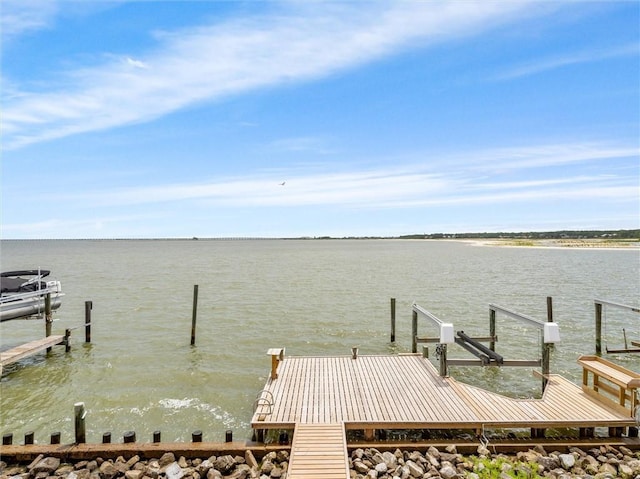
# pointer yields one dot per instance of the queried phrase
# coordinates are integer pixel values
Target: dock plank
(29, 349)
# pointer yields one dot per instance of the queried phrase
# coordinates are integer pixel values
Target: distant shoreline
(591, 243)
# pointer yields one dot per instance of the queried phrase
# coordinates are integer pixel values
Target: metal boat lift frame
(486, 356)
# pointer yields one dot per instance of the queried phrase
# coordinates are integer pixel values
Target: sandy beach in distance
(590, 243)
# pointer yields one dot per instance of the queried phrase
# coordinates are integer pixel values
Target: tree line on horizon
(563, 234)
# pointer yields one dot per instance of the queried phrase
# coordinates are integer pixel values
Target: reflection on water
(312, 297)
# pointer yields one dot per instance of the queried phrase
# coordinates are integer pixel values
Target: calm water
(313, 297)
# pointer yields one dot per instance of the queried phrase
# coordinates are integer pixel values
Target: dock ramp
(319, 451)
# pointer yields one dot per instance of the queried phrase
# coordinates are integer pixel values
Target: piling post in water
(393, 320)
(55, 438)
(88, 306)
(129, 437)
(28, 438)
(48, 317)
(194, 314)
(492, 329)
(414, 332)
(599, 329)
(80, 429)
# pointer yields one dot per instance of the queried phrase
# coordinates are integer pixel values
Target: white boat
(23, 293)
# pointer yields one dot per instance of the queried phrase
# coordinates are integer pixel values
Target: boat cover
(14, 281)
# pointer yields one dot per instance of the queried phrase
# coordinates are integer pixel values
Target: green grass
(499, 468)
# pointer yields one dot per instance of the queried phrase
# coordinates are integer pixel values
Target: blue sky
(282, 119)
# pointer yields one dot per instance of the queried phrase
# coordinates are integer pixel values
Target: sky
(176, 119)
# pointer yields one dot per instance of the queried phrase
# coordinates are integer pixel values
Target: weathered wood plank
(29, 349)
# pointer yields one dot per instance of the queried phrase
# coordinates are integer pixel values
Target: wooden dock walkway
(406, 392)
(29, 349)
(319, 451)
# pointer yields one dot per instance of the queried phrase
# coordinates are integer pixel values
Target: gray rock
(250, 460)
(47, 464)
(625, 471)
(567, 461)
(166, 459)
(381, 468)
(242, 472)
(448, 472)
(483, 451)
(276, 473)
(414, 469)
(608, 469)
(108, 470)
(133, 474)
(390, 460)
(174, 471)
(225, 464)
(360, 467)
(213, 474)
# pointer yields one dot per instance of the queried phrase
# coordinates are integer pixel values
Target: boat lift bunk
(485, 356)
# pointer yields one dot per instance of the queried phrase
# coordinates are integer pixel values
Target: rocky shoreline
(604, 462)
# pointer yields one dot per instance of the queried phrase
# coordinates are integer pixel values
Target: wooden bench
(277, 355)
(620, 385)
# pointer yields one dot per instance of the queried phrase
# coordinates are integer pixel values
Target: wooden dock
(406, 392)
(29, 349)
(319, 398)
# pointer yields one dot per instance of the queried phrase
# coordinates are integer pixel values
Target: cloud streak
(214, 61)
(545, 64)
(403, 186)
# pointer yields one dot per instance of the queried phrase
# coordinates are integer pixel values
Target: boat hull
(26, 307)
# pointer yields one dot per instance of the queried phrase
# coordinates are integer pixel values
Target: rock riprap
(604, 462)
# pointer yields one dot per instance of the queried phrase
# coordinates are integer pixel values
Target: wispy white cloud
(551, 63)
(399, 186)
(20, 16)
(210, 62)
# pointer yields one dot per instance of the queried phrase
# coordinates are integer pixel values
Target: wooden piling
(55, 438)
(442, 350)
(492, 329)
(80, 429)
(88, 306)
(28, 438)
(129, 437)
(194, 314)
(414, 332)
(196, 436)
(157, 436)
(7, 439)
(106, 438)
(393, 320)
(598, 329)
(48, 317)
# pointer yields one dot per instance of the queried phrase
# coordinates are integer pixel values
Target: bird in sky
(282, 184)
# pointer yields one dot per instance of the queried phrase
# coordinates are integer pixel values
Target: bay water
(313, 297)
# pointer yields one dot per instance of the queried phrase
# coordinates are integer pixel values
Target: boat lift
(485, 356)
(600, 306)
